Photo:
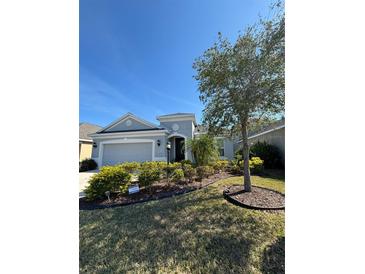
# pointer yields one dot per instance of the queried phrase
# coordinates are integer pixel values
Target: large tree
(245, 80)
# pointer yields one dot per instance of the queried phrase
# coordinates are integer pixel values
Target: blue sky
(137, 55)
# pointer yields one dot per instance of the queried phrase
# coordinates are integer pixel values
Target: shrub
(186, 162)
(204, 149)
(235, 166)
(110, 178)
(189, 173)
(256, 165)
(148, 176)
(170, 168)
(177, 175)
(87, 164)
(149, 165)
(131, 166)
(269, 153)
(204, 172)
(219, 166)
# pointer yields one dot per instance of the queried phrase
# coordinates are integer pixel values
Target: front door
(179, 149)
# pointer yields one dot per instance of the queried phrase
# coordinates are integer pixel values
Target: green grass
(199, 232)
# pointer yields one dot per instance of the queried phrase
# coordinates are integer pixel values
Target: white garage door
(128, 152)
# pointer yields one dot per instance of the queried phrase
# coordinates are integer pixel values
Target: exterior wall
(123, 126)
(185, 127)
(160, 151)
(85, 150)
(276, 138)
(228, 149)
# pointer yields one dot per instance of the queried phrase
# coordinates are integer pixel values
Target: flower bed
(159, 190)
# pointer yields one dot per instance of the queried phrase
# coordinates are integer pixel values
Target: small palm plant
(204, 149)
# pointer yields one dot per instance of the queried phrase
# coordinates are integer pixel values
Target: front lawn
(199, 232)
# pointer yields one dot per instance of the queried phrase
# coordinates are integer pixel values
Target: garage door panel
(126, 152)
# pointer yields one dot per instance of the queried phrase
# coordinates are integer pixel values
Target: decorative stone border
(228, 197)
(92, 206)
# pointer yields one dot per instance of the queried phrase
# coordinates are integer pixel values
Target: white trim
(85, 140)
(146, 133)
(126, 116)
(263, 133)
(176, 118)
(131, 141)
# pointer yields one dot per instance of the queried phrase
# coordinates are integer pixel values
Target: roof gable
(85, 129)
(128, 122)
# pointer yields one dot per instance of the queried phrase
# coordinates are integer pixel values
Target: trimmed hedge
(256, 166)
(148, 176)
(204, 172)
(110, 178)
(131, 167)
(267, 152)
(177, 175)
(87, 164)
(189, 173)
(220, 166)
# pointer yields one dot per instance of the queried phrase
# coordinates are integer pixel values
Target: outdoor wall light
(95, 145)
(168, 147)
(158, 142)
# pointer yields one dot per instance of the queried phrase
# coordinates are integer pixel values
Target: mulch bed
(258, 198)
(159, 190)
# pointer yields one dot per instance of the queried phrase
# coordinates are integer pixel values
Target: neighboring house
(85, 142)
(273, 134)
(131, 138)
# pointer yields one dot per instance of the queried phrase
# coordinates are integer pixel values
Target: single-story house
(273, 134)
(131, 138)
(85, 142)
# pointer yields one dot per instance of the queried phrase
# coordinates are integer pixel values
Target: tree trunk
(245, 152)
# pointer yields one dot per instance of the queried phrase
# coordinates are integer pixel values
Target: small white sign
(133, 189)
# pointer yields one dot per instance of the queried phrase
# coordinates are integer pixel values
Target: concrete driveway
(84, 179)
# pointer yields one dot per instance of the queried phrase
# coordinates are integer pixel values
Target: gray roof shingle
(85, 129)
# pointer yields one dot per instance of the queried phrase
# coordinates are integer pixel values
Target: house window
(220, 143)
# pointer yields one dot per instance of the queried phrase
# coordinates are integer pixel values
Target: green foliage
(186, 162)
(189, 173)
(131, 166)
(204, 172)
(244, 80)
(256, 165)
(235, 165)
(87, 164)
(269, 153)
(198, 227)
(110, 178)
(177, 175)
(204, 149)
(150, 165)
(220, 166)
(148, 176)
(170, 168)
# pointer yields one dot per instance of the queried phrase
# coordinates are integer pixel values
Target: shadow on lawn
(198, 233)
(274, 257)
